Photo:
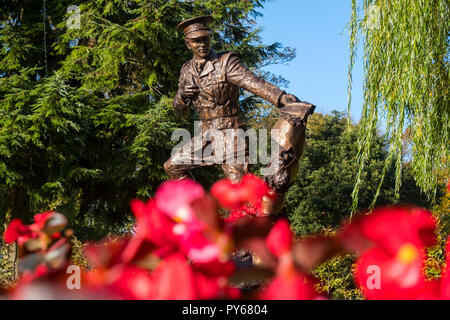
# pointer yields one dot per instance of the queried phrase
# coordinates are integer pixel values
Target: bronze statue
(210, 83)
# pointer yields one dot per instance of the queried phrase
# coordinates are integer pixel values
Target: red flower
(200, 241)
(174, 198)
(114, 278)
(152, 226)
(391, 243)
(129, 282)
(29, 276)
(235, 216)
(41, 218)
(290, 284)
(382, 276)
(243, 199)
(173, 280)
(296, 287)
(16, 230)
(279, 240)
(52, 229)
(250, 190)
(244, 211)
(198, 248)
(209, 287)
(255, 188)
(106, 254)
(390, 228)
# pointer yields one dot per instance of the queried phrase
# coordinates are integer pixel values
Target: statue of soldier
(210, 83)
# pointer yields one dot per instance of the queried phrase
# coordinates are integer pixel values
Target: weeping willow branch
(406, 82)
(352, 45)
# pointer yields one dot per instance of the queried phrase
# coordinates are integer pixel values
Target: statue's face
(201, 47)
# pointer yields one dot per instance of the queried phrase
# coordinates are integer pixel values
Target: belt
(232, 122)
(220, 117)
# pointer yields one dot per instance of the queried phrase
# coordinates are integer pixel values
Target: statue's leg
(176, 171)
(235, 172)
(186, 159)
(283, 169)
(198, 152)
(236, 163)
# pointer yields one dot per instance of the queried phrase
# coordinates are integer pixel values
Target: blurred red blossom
(174, 234)
(279, 240)
(243, 198)
(180, 249)
(152, 226)
(391, 243)
(289, 283)
(233, 196)
(399, 277)
(16, 230)
(390, 228)
(174, 198)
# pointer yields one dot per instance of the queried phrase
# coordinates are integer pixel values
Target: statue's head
(197, 35)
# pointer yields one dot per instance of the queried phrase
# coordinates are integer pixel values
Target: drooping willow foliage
(406, 82)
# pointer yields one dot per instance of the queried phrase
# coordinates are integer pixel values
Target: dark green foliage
(336, 278)
(320, 200)
(86, 118)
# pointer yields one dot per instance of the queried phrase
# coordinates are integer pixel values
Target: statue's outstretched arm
(238, 74)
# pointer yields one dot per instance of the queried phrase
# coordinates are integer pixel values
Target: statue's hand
(287, 99)
(190, 92)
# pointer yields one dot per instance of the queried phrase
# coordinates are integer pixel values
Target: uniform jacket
(219, 83)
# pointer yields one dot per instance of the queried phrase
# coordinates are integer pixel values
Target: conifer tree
(86, 116)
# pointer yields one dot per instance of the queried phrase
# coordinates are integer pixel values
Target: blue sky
(317, 30)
